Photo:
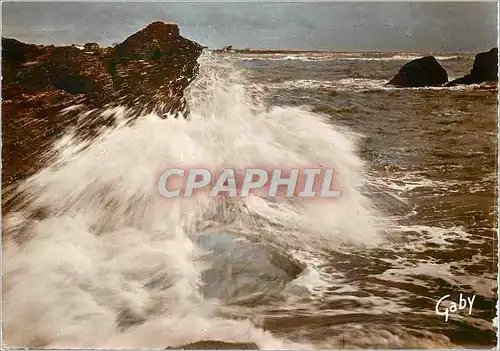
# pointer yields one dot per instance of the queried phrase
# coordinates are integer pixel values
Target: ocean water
(104, 261)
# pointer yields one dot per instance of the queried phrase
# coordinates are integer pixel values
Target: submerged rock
(422, 72)
(217, 345)
(484, 69)
(240, 270)
(147, 72)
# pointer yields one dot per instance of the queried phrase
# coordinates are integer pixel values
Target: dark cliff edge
(147, 72)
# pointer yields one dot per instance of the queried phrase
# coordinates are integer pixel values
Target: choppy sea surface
(112, 264)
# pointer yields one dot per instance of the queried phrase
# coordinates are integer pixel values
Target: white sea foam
(312, 57)
(354, 84)
(112, 264)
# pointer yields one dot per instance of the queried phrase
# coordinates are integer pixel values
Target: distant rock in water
(147, 72)
(216, 345)
(423, 72)
(225, 49)
(484, 69)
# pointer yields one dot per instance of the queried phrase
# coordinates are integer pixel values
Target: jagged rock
(484, 69)
(15, 53)
(158, 35)
(422, 72)
(148, 71)
(155, 65)
(217, 345)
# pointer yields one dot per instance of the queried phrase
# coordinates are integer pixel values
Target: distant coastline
(255, 51)
(289, 51)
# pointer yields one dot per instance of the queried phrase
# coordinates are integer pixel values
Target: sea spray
(107, 262)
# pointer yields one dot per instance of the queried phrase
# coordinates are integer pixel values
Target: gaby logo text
(231, 182)
(453, 307)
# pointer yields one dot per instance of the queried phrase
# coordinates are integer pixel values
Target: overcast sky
(353, 26)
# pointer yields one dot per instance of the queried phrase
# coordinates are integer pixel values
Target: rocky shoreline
(46, 89)
(147, 72)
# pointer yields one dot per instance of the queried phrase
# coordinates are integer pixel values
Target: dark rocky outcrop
(422, 72)
(147, 72)
(484, 69)
(217, 345)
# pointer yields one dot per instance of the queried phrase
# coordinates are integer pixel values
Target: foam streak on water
(111, 264)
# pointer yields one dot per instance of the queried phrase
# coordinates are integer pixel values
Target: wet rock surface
(240, 269)
(147, 72)
(216, 345)
(422, 72)
(484, 69)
